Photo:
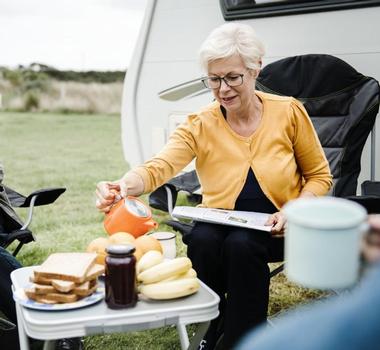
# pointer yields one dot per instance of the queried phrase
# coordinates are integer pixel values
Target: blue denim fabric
(348, 322)
(8, 263)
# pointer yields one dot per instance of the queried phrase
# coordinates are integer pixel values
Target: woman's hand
(107, 194)
(277, 221)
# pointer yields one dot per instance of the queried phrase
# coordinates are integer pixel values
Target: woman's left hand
(277, 221)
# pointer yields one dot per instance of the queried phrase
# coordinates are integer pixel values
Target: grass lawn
(77, 151)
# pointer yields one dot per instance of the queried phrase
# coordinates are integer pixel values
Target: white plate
(20, 297)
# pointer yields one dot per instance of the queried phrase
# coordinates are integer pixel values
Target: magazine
(246, 219)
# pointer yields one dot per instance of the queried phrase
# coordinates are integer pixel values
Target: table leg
(22, 336)
(199, 335)
(183, 337)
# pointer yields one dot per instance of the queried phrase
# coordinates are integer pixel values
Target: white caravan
(162, 85)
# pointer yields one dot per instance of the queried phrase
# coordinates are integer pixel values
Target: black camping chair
(11, 226)
(342, 104)
(11, 229)
(370, 197)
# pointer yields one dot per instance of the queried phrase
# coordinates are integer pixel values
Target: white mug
(322, 241)
(167, 240)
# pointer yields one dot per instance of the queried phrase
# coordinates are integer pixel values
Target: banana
(170, 289)
(149, 259)
(164, 270)
(191, 273)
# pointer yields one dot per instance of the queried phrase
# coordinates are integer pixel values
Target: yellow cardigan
(284, 153)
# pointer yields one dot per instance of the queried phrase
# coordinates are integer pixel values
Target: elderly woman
(254, 151)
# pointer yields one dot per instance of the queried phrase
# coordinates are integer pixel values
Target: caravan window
(243, 9)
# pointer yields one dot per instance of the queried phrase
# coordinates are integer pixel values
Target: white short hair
(230, 39)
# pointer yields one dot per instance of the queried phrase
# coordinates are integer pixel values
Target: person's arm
(309, 153)
(177, 153)
(311, 160)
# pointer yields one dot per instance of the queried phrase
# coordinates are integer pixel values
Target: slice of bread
(43, 288)
(66, 266)
(85, 289)
(94, 272)
(41, 299)
(55, 297)
(63, 286)
(40, 280)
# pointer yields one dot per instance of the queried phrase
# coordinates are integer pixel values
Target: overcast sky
(70, 34)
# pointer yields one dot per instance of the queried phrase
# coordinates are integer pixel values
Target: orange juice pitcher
(129, 215)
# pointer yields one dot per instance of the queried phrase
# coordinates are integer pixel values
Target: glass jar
(120, 277)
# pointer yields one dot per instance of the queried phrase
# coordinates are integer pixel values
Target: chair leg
(19, 246)
(277, 270)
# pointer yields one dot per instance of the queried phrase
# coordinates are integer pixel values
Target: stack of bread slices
(65, 278)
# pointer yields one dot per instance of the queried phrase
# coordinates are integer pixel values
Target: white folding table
(200, 307)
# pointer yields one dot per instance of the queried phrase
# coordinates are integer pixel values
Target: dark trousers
(8, 263)
(233, 262)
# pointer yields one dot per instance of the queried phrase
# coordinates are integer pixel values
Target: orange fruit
(98, 246)
(146, 243)
(101, 258)
(121, 238)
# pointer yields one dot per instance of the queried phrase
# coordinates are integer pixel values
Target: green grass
(77, 151)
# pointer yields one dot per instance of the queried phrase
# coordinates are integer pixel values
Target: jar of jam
(120, 277)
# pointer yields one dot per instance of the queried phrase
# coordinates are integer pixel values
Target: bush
(35, 81)
(32, 101)
(13, 76)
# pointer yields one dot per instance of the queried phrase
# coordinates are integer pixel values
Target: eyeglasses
(215, 82)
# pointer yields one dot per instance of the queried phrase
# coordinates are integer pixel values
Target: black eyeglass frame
(205, 79)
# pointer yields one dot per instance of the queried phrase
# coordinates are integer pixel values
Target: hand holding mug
(371, 241)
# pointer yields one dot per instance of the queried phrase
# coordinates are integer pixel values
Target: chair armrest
(182, 227)
(371, 188)
(371, 203)
(158, 199)
(43, 196)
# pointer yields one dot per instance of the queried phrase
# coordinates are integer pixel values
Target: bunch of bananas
(168, 279)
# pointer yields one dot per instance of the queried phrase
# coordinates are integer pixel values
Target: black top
(252, 197)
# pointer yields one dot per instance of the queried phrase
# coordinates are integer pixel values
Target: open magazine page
(246, 219)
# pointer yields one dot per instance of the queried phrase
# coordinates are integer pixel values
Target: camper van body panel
(166, 57)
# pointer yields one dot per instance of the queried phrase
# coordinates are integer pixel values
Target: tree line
(37, 73)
